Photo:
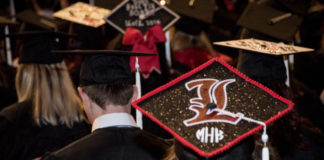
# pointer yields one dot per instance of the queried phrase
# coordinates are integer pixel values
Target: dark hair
(106, 94)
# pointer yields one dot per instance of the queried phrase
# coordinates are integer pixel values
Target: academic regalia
(120, 142)
(7, 89)
(21, 138)
(269, 69)
(114, 135)
(212, 110)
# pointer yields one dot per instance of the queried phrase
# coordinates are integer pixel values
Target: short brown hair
(107, 94)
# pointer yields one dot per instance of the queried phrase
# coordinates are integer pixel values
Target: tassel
(139, 120)
(265, 149)
(265, 153)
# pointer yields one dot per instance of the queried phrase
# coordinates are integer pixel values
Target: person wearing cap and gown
(213, 111)
(298, 142)
(191, 46)
(48, 114)
(107, 92)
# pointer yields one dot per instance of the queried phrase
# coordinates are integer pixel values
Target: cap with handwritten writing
(83, 13)
(213, 107)
(263, 46)
(142, 15)
(263, 60)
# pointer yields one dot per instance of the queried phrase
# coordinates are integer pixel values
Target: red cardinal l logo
(211, 102)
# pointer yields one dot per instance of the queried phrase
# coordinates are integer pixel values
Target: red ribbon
(145, 44)
(193, 57)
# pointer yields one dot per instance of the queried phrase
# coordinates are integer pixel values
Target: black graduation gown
(21, 138)
(118, 143)
(8, 94)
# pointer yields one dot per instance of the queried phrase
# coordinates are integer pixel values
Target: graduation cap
(141, 15)
(190, 25)
(37, 46)
(269, 21)
(262, 60)
(199, 10)
(213, 107)
(83, 13)
(264, 47)
(31, 17)
(103, 66)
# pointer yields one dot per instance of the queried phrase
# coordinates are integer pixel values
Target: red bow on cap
(145, 44)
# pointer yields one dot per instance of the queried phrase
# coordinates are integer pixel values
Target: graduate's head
(106, 83)
(107, 80)
(43, 78)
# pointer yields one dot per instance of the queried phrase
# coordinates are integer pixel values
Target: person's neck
(117, 109)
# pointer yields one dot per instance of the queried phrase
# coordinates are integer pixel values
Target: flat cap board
(269, 21)
(213, 107)
(37, 46)
(266, 47)
(83, 13)
(141, 14)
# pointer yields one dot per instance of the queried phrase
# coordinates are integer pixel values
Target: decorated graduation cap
(141, 14)
(103, 66)
(213, 107)
(143, 23)
(31, 17)
(262, 59)
(83, 13)
(269, 21)
(37, 46)
(264, 46)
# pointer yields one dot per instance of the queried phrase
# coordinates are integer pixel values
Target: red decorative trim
(235, 141)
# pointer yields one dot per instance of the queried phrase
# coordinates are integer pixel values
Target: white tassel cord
(139, 120)
(264, 137)
(168, 49)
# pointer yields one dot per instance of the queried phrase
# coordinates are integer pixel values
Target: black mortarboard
(190, 25)
(104, 66)
(199, 10)
(141, 15)
(269, 21)
(37, 46)
(213, 107)
(84, 14)
(31, 17)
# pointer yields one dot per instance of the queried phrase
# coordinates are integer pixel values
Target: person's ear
(84, 97)
(135, 93)
(87, 107)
